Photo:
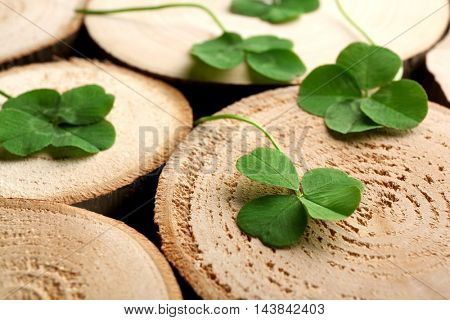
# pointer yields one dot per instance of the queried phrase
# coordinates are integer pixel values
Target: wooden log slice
(149, 117)
(54, 251)
(395, 246)
(438, 63)
(33, 30)
(159, 41)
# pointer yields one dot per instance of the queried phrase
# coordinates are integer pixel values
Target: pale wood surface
(395, 246)
(149, 117)
(159, 41)
(54, 251)
(438, 62)
(28, 26)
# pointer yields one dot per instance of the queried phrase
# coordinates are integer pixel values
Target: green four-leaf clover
(342, 92)
(40, 118)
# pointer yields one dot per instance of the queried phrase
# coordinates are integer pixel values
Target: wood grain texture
(438, 63)
(32, 28)
(54, 251)
(395, 246)
(159, 41)
(149, 116)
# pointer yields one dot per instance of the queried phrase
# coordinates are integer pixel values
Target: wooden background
(205, 99)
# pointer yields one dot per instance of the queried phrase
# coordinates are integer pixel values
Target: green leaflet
(330, 194)
(91, 138)
(345, 117)
(22, 133)
(340, 93)
(269, 166)
(331, 203)
(276, 64)
(42, 103)
(325, 86)
(370, 65)
(276, 11)
(400, 105)
(277, 220)
(315, 179)
(85, 105)
(224, 52)
(41, 118)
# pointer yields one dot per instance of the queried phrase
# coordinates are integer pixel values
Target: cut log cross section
(54, 251)
(438, 62)
(395, 246)
(35, 30)
(149, 117)
(408, 27)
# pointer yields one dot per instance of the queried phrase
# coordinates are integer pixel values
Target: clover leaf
(275, 11)
(325, 86)
(40, 118)
(85, 105)
(269, 56)
(22, 133)
(224, 52)
(370, 65)
(91, 138)
(346, 116)
(280, 220)
(330, 194)
(269, 166)
(362, 91)
(39, 102)
(340, 92)
(276, 64)
(277, 220)
(400, 105)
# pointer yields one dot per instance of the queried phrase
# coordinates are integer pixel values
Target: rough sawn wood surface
(438, 62)
(54, 251)
(395, 246)
(35, 30)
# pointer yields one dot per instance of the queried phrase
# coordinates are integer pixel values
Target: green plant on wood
(280, 220)
(274, 11)
(267, 55)
(361, 92)
(41, 118)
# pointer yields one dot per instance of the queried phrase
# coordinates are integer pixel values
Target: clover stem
(240, 118)
(148, 8)
(7, 96)
(353, 23)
